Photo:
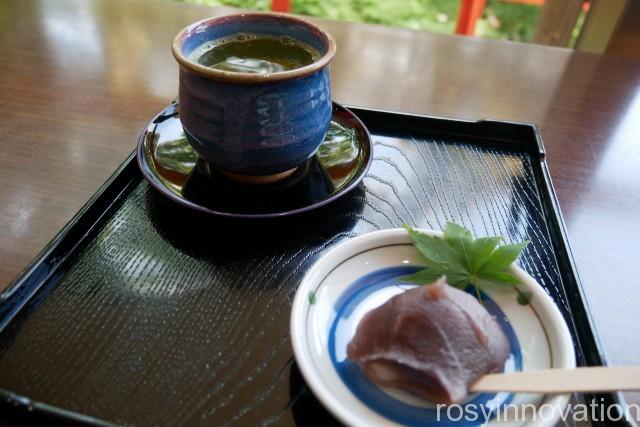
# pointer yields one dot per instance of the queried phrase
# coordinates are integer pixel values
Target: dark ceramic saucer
(170, 165)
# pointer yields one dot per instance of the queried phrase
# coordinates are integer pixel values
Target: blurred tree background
(500, 20)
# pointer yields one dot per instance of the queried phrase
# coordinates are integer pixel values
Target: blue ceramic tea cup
(255, 127)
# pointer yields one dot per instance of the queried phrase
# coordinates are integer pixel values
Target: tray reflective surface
(166, 316)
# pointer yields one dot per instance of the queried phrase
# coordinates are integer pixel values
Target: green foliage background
(500, 20)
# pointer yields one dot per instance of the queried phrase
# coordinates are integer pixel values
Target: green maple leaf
(465, 260)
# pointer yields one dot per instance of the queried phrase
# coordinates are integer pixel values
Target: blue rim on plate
(173, 168)
(362, 273)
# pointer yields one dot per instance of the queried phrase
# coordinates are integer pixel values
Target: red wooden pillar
(470, 11)
(281, 6)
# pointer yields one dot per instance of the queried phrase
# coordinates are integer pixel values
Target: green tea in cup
(255, 92)
(255, 54)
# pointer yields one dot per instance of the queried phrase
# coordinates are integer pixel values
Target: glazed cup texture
(254, 124)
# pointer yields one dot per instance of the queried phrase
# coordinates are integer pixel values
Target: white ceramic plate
(361, 274)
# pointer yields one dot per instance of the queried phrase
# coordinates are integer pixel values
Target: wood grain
(171, 317)
(556, 381)
(80, 79)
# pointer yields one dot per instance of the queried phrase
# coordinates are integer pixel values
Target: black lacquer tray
(141, 312)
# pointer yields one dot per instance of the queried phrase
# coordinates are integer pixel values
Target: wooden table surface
(80, 78)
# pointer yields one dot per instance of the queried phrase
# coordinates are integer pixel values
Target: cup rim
(248, 78)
